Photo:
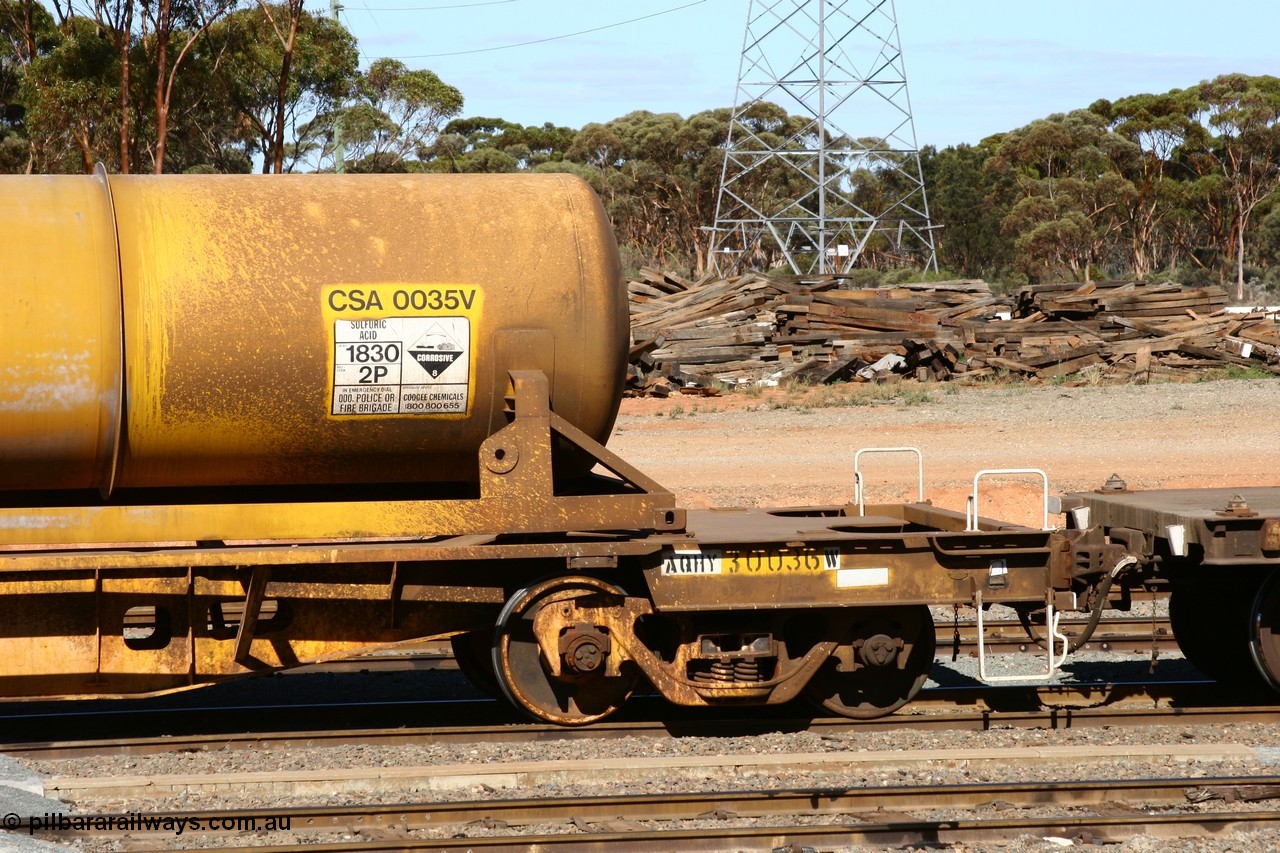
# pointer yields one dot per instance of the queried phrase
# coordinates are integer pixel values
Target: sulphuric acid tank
(187, 331)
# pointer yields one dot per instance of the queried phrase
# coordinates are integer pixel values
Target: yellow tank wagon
(252, 422)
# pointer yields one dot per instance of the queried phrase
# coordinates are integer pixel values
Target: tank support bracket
(518, 494)
(258, 578)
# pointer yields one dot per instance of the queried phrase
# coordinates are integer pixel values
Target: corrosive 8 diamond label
(401, 350)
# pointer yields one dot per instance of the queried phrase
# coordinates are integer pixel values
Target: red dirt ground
(781, 448)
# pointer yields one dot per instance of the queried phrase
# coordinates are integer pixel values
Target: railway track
(809, 818)
(780, 817)
(1051, 708)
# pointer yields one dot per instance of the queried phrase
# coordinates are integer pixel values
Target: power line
(365, 7)
(342, 9)
(556, 38)
(434, 8)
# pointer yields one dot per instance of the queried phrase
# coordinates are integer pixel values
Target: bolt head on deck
(1114, 483)
(1237, 507)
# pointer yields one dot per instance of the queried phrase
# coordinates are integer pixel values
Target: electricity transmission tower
(807, 190)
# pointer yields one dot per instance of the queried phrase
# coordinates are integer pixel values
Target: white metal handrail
(1054, 661)
(858, 491)
(971, 509)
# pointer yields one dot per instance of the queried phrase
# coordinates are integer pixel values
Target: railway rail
(715, 821)
(1059, 707)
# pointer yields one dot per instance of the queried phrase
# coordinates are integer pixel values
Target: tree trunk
(29, 30)
(162, 62)
(125, 37)
(29, 36)
(1141, 264)
(86, 152)
(282, 92)
(1240, 261)
(1141, 242)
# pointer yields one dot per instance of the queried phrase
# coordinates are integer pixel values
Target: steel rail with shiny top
(1053, 708)
(627, 822)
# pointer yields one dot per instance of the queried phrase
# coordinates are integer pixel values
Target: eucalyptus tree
(174, 28)
(279, 67)
(963, 202)
(1064, 191)
(88, 72)
(115, 20)
(70, 99)
(658, 174)
(1150, 132)
(27, 31)
(394, 116)
(1266, 241)
(1245, 113)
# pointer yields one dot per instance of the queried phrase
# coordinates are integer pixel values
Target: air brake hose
(1094, 617)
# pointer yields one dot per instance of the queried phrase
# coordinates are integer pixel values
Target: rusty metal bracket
(258, 579)
(1271, 535)
(518, 494)
(1115, 485)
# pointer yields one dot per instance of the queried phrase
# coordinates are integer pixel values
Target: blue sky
(974, 68)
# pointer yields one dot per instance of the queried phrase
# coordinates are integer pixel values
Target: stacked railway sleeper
(254, 424)
(701, 337)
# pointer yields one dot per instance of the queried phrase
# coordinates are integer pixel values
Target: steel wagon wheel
(576, 688)
(1264, 631)
(879, 666)
(1210, 617)
(473, 652)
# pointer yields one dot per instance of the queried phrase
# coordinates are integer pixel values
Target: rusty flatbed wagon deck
(1217, 550)
(1223, 526)
(834, 556)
